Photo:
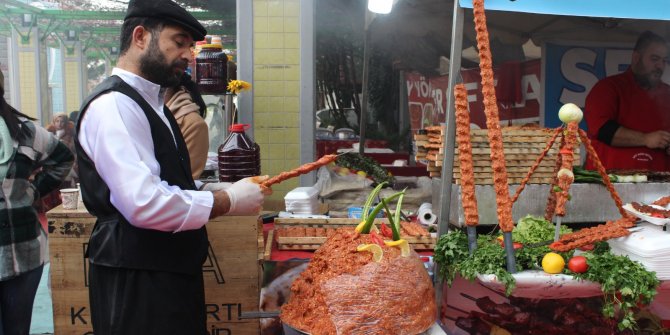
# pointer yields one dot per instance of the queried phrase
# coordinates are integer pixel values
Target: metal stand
(472, 239)
(509, 250)
(557, 229)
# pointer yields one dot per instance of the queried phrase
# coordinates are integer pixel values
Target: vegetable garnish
(377, 252)
(402, 244)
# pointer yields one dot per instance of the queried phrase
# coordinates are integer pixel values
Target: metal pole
(364, 88)
(449, 136)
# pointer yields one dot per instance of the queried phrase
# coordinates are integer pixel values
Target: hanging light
(71, 35)
(380, 6)
(27, 20)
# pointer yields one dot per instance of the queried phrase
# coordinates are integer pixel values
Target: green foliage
(624, 283)
(356, 161)
(450, 251)
(532, 229)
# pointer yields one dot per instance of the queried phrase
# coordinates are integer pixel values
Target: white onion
(569, 113)
(566, 172)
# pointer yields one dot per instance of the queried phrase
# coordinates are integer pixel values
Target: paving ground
(42, 322)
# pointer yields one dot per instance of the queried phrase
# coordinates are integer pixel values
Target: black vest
(114, 241)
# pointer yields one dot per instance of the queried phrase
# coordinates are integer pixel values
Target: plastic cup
(70, 198)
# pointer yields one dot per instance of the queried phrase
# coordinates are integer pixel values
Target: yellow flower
(237, 86)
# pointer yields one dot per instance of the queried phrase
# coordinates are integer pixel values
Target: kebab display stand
(472, 297)
(232, 272)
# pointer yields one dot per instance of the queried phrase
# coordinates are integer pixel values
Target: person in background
(149, 242)
(188, 108)
(63, 128)
(25, 147)
(73, 116)
(628, 114)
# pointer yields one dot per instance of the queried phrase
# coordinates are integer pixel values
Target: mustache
(180, 63)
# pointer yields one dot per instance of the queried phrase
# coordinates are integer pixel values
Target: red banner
(517, 91)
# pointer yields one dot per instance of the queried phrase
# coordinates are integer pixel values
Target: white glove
(246, 197)
(215, 186)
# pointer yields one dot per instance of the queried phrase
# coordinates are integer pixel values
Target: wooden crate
(316, 232)
(232, 272)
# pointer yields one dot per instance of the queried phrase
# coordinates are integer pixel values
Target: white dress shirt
(115, 134)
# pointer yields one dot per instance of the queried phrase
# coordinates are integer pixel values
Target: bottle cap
(211, 46)
(238, 127)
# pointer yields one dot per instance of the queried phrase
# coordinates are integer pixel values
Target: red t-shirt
(619, 98)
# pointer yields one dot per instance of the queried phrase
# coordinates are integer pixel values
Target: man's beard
(155, 68)
(647, 79)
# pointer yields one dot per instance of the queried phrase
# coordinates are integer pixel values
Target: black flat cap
(169, 11)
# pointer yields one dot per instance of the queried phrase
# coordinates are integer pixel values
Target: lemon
(362, 174)
(553, 263)
(376, 251)
(402, 244)
(343, 171)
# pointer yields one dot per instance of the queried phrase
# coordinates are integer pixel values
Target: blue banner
(571, 71)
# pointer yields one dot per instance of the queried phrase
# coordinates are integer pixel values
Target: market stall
(504, 296)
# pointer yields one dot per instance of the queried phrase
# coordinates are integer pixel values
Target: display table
(232, 272)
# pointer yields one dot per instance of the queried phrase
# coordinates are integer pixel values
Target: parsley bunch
(451, 253)
(624, 282)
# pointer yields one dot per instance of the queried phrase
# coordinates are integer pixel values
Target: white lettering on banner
(425, 88)
(530, 89)
(421, 85)
(437, 100)
(574, 74)
(410, 86)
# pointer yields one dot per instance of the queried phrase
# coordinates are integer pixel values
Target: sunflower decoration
(237, 86)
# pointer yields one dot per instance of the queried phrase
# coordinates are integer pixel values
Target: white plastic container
(302, 200)
(650, 246)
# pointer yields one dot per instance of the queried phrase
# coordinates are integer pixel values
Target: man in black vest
(149, 242)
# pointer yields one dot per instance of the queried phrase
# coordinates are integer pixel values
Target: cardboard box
(231, 272)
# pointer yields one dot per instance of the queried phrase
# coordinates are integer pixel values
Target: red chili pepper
(376, 239)
(386, 231)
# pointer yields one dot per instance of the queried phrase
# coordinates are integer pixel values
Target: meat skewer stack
(565, 177)
(469, 200)
(503, 201)
(602, 232)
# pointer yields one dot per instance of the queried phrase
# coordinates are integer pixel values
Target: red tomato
(386, 231)
(577, 264)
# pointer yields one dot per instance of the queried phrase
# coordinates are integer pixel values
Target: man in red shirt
(628, 114)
